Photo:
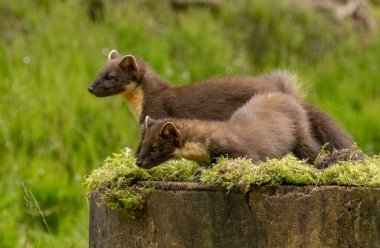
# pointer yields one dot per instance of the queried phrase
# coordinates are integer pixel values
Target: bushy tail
(325, 129)
(286, 82)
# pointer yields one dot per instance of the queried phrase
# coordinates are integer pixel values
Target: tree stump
(188, 215)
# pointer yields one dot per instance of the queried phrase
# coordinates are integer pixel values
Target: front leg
(232, 153)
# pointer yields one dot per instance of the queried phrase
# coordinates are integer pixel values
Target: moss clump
(116, 180)
(364, 173)
(242, 173)
(180, 170)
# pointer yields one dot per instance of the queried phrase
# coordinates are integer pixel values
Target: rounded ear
(113, 55)
(128, 62)
(170, 131)
(149, 122)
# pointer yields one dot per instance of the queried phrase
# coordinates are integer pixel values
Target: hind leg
(308, 149)
(307, 146)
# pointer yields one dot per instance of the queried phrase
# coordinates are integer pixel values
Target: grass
(52, 132)
(115, 182)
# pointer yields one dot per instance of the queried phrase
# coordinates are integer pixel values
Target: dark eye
(154, 149)
(109, 77)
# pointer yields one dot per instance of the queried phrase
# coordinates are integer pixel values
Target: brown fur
(212, 99)
(268, 126)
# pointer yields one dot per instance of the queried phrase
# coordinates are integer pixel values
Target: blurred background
(53, 132)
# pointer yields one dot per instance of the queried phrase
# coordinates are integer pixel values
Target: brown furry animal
(212, 99)
(268, 126)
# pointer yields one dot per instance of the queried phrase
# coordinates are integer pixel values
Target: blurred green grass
(52, 132)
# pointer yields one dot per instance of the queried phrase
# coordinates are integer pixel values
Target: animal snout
(91, 89)
(139, 162)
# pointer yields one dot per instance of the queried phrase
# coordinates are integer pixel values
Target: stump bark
(188, 215)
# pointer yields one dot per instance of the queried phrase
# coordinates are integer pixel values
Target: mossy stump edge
(187, 215)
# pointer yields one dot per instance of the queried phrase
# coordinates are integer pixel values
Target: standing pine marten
(212, 99)
(268, 126)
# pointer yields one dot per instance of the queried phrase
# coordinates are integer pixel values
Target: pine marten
(213, 99)
(269, 125)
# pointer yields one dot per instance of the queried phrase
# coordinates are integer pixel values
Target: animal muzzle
(91, 89)
(139, 162)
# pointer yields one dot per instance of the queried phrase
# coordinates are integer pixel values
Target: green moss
(365, 173)
(116, 181)
(241, 173)
(234, 173)
(174, 170)
(116, 171)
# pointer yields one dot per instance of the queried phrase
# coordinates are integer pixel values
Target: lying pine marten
(267, 126)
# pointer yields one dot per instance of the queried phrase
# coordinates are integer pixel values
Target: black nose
(139, 162)
(91, 89)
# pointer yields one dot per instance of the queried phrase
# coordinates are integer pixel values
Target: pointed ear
(113, 55)
(149, 122)
(170, 131)
(129, 62)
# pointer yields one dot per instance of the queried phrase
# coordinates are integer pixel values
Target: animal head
(119, 74)
(160, 141)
